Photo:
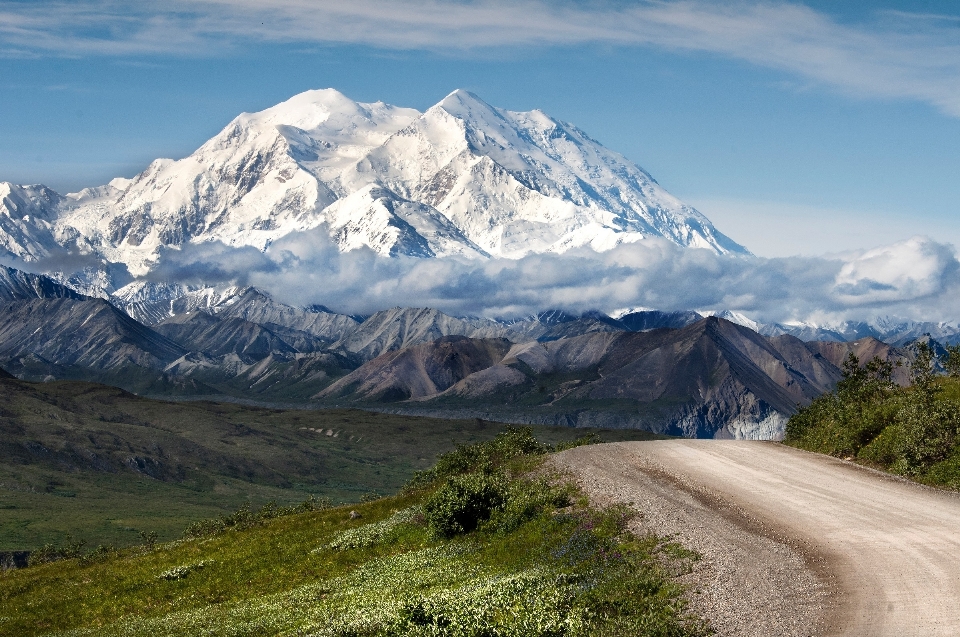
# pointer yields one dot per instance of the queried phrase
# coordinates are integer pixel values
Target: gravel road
(793, 543)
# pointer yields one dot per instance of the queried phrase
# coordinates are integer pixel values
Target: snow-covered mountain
(463, 178)
(734, 317)
(152, 303)
(16, 285)
(27, 217)
(897, 332)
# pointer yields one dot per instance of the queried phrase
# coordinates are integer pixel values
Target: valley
(102, 465)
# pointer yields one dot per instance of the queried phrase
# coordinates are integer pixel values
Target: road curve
(886, 551)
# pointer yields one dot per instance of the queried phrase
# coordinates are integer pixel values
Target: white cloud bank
(890, 54)
(915, 279)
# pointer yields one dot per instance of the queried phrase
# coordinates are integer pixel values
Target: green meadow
(487, 542)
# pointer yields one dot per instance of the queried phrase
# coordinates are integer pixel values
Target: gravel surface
(793, 543)
(746, 584)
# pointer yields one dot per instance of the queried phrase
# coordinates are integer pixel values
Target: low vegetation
(484, 543)
(913, 431)
(102, 465)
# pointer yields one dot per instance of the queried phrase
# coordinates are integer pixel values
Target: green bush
(73, 549)
(591, 438)
(952, 362)
(947, 472)
(929, 433)
(513, 442)
(844, 421)
(477, 488)
(467, 502)
(883, 449)
(463, 502)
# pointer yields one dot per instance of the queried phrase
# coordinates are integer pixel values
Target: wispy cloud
(890, 54)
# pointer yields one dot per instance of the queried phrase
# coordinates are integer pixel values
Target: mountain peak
(472, 110)
(306, 110)
(463, 178)
(462, 98)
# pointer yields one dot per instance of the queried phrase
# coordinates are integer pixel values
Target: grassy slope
(905, 430)
(545, 576)
(100, 464)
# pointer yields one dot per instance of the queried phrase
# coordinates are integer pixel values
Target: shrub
(99, 554)
(489, 455)
(952, 363)
(844, 421)
(463, 502)
(50, 553)
(526, 499)
(149, 538)
(244, 518)
(907, 430)
(928, 432)
(512, 442)
(588, 439)
(947, 472)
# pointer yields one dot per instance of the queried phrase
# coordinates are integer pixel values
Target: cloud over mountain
(917, 278)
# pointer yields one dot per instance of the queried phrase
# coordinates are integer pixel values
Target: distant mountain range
(710, 379)
(669, 372)
(462, 178)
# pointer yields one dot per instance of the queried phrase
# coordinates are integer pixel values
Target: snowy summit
(463, 178)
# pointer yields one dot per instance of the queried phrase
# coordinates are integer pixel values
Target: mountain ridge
(712, 378)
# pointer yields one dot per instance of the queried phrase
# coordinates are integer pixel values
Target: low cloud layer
(915, 279)
(889, 54)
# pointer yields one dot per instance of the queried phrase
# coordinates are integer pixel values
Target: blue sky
(797, 128)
